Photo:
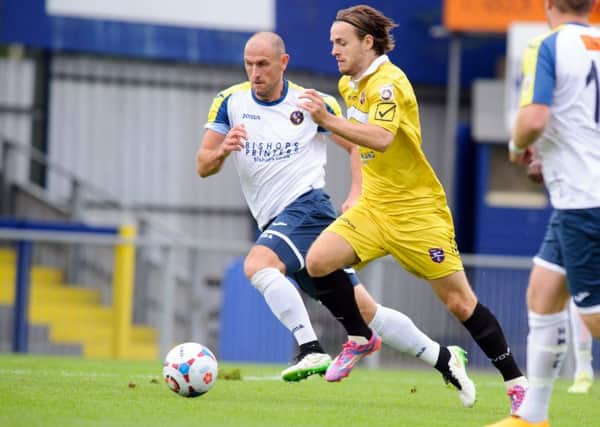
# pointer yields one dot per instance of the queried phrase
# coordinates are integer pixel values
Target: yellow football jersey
(400, 179)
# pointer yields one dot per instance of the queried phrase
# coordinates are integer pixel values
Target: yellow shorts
(422, 242)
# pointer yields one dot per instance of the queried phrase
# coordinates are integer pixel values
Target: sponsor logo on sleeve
(385, 111)
(386, 92)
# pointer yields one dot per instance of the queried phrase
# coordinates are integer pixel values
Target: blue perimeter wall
(303, 24)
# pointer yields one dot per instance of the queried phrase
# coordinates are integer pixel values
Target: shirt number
(592, 78)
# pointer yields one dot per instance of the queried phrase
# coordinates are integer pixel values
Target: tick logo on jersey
(250, 116)
(270, 151)
(385, 111)
(297, 117)
(437, 255)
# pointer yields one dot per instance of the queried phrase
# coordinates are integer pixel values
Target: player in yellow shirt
(402, 210)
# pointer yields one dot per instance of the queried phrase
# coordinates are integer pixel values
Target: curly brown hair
(369, 21)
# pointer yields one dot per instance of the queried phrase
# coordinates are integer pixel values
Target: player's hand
(534, 165)
(523, 158)
(534, 171)
(311, 101)
(349, 202)
(234, 140)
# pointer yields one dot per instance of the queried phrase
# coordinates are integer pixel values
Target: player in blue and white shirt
(560, 113)
(272, 158)
(280, 153)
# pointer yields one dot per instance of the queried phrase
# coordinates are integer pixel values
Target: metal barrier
(125, 243)
(499, 281)
(26, 232)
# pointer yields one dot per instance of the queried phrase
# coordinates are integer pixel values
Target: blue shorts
(291, 233)
(571, 246)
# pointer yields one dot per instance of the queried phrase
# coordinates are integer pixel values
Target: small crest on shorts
(386, 92)
(437, 255)
(297, 117)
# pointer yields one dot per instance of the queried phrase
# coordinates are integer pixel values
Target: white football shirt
(562, 70)
(285, 154)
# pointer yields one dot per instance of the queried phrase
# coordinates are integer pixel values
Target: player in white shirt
(280, 153)
(560, 112)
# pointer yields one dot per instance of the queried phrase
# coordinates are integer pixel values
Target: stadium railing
(25, 233)
(170, 259)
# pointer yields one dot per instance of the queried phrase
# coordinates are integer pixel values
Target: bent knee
(460, 305)
(316, 266)
(252, 265)
(249, 268)
(259, 258)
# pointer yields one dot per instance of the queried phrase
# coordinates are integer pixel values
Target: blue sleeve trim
(545, 72)
(218, 127)
(222, 115)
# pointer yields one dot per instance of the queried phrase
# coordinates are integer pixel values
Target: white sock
(398, 331)
(285, 302)
(582, 342)
(547, 345)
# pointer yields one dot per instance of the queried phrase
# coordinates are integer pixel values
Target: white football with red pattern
(190, 369)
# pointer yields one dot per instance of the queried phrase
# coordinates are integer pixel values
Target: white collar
(370, 70)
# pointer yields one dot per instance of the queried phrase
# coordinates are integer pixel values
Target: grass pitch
(65, 391)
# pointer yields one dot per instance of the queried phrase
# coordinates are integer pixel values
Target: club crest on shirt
(386, 92)
(297, 117)
(437, 255)
(362, 98)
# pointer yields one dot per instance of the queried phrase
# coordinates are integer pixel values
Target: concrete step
(75, 314)
(66, 319)
(137, 351)
(40, 276)
(39, 341)
(7, 256)
(41, 295)
(97, 331)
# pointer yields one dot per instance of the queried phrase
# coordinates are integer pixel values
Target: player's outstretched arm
(216, 147)
(364, 134)
(355, 172)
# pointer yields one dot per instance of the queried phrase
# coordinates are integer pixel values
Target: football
(190, 369)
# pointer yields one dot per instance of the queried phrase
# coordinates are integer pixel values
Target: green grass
(65, 391)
